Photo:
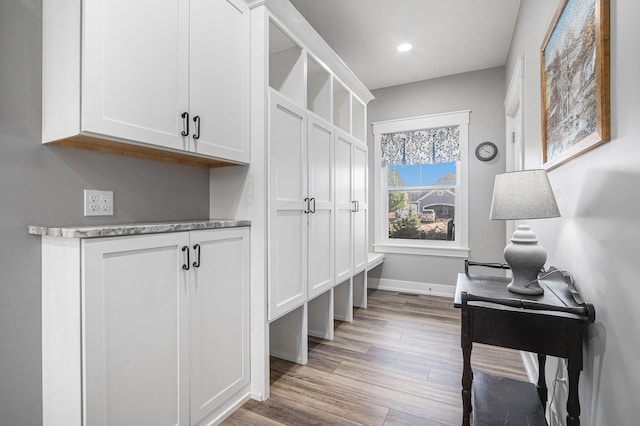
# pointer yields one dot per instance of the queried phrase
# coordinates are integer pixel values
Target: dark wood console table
(553, 323)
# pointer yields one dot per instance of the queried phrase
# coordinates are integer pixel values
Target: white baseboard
(411, 287)
(257, 396)
(287, 357)
(319, 334)
(226, 410)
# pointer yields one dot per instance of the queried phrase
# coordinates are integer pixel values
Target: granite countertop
(123, 229)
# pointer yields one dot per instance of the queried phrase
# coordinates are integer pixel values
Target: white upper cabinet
(219, 72)
(148, 75)
(135, 70)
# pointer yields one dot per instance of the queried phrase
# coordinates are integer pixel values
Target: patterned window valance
(428, 146)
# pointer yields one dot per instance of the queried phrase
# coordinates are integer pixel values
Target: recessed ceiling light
(405, 47)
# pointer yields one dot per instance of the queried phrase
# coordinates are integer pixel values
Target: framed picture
(574, 62)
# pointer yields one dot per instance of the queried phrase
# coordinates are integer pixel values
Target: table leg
(542, 384)
(573, 402)
(467, 379)
(467, 373)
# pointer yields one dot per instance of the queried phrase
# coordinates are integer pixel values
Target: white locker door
(287, 217)
(320, 218)
(344, 206)
(360, 252)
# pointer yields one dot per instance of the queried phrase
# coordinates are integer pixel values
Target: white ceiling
(448, 36)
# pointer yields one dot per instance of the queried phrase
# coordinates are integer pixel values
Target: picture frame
(575, 92)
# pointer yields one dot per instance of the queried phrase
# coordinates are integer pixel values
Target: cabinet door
(343, 206)
(135, 330)
(360, 219)
(135, 70)
(219, 319)
(320, 184)
(287, 217)
(219, 78)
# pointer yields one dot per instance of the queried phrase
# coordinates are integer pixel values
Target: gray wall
(483, 93)
(43, 185)
(596, 238)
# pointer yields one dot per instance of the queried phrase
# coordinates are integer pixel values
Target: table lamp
(525, 194)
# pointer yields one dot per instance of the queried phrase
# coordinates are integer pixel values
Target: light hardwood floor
(398, 363)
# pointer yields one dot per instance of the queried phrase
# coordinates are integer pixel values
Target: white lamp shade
(525, 194)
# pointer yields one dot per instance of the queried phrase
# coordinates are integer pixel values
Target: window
(421, 180)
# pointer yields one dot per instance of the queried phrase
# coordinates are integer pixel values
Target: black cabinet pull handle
(196, 248)
(185, 266)
(196, 120)
(314, 206)
(354, 206)
(185, 124)
(306, 210)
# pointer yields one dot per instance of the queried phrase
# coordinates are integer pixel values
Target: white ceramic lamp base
(526, 258)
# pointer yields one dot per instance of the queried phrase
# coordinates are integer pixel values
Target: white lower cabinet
(219, 322)
(145, 330)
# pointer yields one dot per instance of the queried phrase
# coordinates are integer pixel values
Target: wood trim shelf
(105, 146)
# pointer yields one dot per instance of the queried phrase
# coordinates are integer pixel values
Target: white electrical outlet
(98, 203)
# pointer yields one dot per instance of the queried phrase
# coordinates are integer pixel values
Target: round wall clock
(486, 151)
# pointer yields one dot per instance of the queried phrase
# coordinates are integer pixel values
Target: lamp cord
(553, 392)
(549, 273)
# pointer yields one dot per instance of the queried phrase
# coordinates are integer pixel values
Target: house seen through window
(422, 200)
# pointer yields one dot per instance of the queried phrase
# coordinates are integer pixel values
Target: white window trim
(459, 248)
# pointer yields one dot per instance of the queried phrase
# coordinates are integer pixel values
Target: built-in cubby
(360, 290)
(358, 119)
(343, 301)
(288, 336)
(286, 65)
(320, 316)
(312, 97)
(318, 89)
(341, 106)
